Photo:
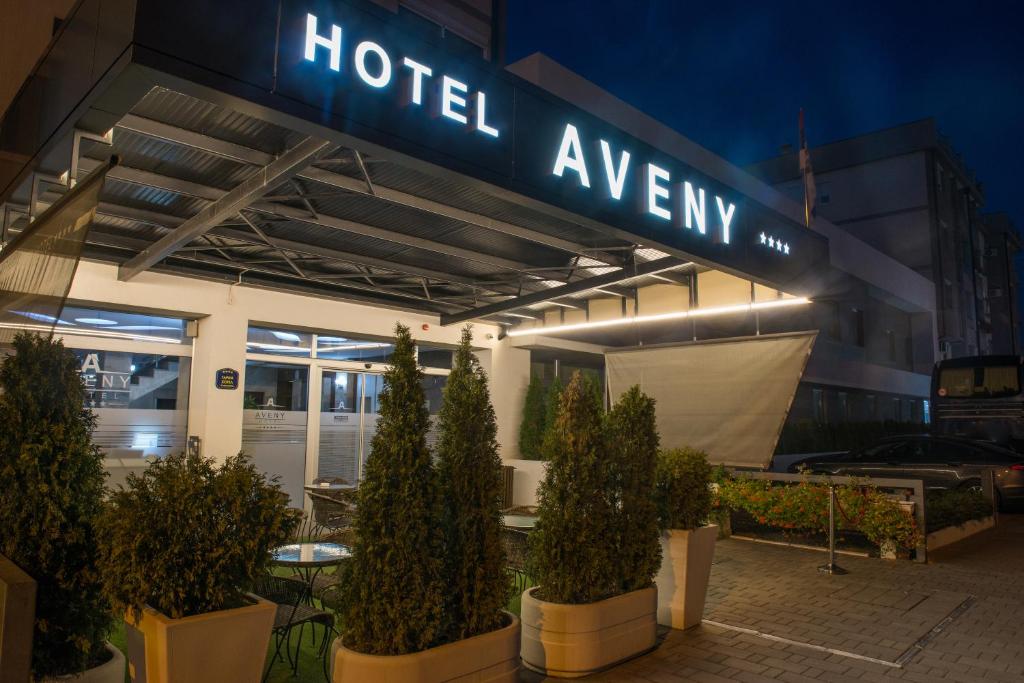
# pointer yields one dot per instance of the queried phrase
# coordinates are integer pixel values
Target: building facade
(283, 199)
(907, 192)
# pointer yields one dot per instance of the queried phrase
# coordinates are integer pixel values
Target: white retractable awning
(728, 397)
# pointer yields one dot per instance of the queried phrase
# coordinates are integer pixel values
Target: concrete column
(508, 369)
(215, 415)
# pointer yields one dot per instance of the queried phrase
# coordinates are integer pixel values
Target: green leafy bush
(571, 548)
(531, 429)
(804, 506)
(393, 595)
(188, 537)
(51, 479)
(684, 495)
(632, 445)
(954, 507)
(469, 472)
(552, 404)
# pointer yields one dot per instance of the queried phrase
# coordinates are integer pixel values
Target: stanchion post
(831, 567)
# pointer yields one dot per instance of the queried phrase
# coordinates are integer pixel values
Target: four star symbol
(775, 243)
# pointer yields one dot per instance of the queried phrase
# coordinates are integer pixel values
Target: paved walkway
(772, 617)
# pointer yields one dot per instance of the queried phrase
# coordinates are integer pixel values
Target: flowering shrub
(804, 506)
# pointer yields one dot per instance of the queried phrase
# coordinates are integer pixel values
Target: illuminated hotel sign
(396, 87)
(683, 203)
(377, 68)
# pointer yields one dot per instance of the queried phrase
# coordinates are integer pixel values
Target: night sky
(732, 75)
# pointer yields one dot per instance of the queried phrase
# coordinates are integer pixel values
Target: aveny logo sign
(681, 202)
(418, 84)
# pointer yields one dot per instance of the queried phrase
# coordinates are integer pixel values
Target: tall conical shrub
(51, 487)
(552, 404)
(571, 555)
(531, 429)
(469, 470)
(632, 442)
(394, 593)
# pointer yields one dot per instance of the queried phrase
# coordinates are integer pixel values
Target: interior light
(287, 336)
(95, 321)
(133, 367)
(676, 315)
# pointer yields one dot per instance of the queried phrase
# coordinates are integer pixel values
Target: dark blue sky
(732, 75)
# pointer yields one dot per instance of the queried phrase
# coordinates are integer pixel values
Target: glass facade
(274, 421)
(140, 400)
(279, 342)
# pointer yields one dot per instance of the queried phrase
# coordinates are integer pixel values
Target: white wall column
(215, 415)
(509, 373)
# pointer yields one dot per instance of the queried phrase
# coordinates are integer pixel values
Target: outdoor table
(522, 522)
(310, 559)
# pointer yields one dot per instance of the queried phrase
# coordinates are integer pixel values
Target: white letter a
(570, 155)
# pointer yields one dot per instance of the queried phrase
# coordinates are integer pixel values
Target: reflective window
(278, 342)
(140, 401)
(979, 382)
(274, 422)
(92, 322)
(334, 347)
(434, 357)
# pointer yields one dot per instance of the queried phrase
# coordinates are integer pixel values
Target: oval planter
(488, 658)
(686, 557)
(570, 641)
(227, 646)
(111, 671)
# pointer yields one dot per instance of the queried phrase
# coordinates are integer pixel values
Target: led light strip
(82, 332)
(677, 315)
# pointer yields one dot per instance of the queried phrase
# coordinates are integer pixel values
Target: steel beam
(629, 272)
(236, 152)
(238, 198)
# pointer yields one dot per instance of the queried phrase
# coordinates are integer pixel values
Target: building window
(835, 329)
(858, 326)
(843, 406)
(279, 342)
(871, 405)
(890, 337)
(818, 403)
(335, 347)
(140, 400)
(94, 322)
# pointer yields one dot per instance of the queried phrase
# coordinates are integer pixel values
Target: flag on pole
(810, 192)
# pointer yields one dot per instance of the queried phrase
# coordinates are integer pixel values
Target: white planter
(110, 672)
(489, 657)
(226, 646)
(682, 581)
(570, 641)
(954, 534)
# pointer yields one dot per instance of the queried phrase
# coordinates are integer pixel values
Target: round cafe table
(521, 522)
(309, 559)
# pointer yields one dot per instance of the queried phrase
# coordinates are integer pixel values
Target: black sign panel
(368, 78)
(356, 68)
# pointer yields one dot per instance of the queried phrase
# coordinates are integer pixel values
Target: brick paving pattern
(958, 618)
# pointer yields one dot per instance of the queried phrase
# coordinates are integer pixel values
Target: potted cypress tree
(688, 541)
(484, 636)
(181, 546)
(579, 620)
(51, 476)
(393, 594)
(531, 429)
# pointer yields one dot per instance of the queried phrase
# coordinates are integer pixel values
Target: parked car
(941, 462)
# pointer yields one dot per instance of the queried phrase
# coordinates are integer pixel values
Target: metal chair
(291, 613)
(516, 550)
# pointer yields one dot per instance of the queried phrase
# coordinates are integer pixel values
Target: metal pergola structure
(210, 192)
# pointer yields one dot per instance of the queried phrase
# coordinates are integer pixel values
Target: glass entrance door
(349, 404)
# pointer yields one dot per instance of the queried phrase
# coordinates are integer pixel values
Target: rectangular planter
(487, 658)
(227, 646)
(570, 641)
(955, 534)
(682, 581)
